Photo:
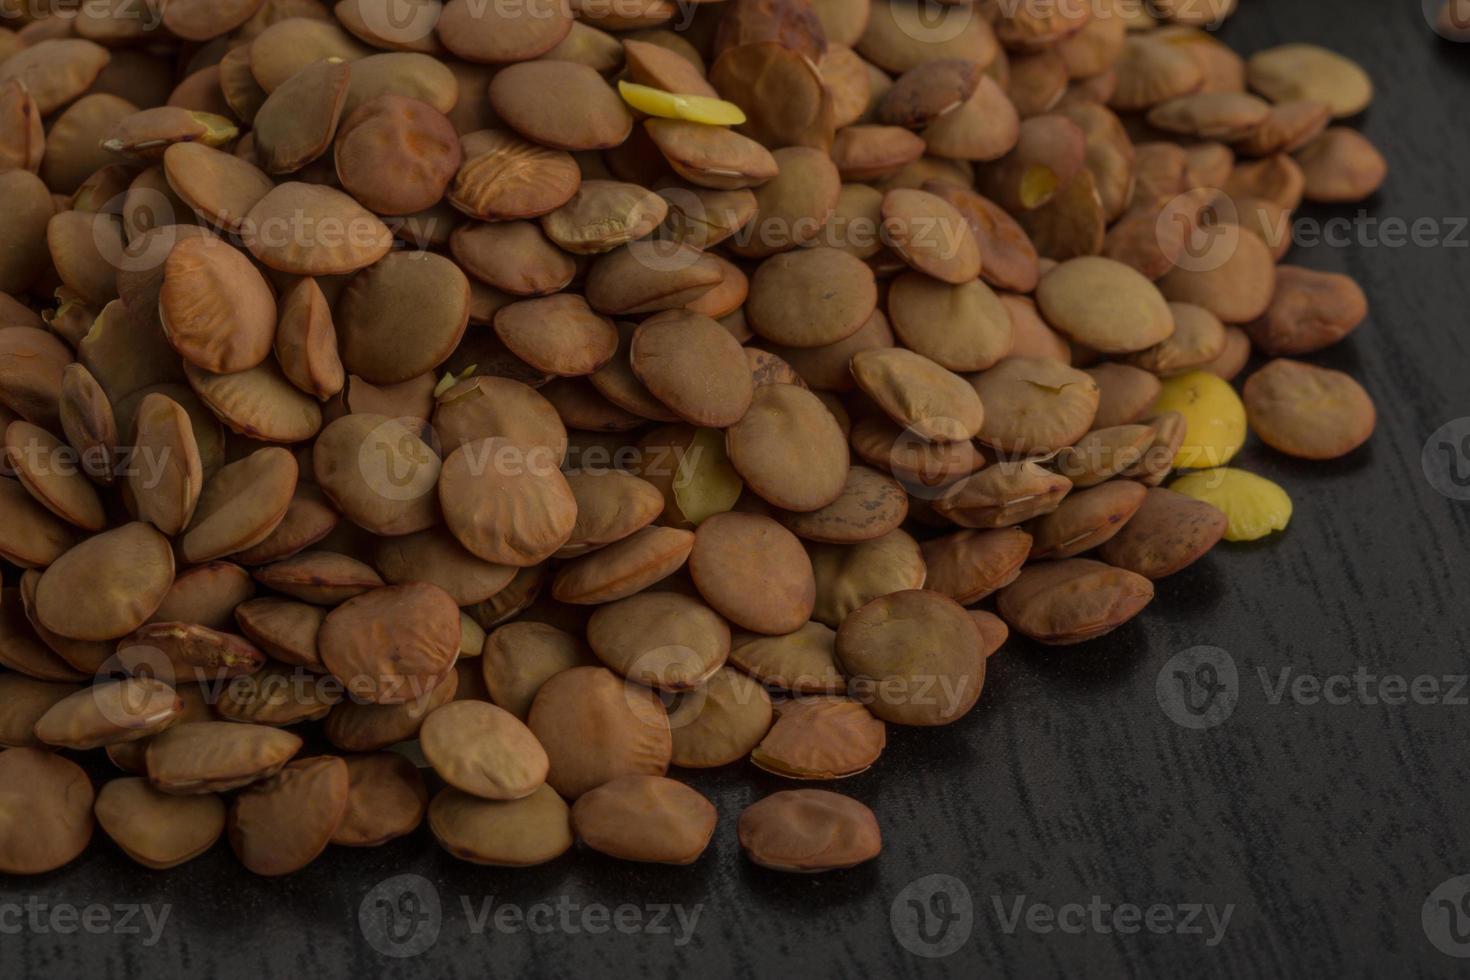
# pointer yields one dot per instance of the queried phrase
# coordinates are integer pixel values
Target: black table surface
(1082, 830)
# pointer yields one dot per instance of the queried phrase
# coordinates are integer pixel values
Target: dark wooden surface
(1325, 826)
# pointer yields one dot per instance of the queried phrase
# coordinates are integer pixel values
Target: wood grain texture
(1326, 826)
